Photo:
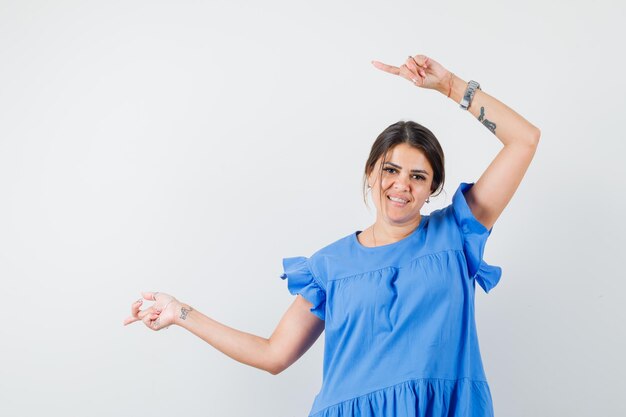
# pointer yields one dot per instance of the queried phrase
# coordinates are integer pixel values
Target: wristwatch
(472, 86)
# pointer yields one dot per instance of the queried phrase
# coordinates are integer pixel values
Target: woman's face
(407, 175)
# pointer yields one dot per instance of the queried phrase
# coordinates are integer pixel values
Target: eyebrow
(421, 171)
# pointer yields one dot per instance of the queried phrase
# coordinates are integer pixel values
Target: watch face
(472, 86)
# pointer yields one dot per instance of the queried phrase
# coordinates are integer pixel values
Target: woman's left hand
(422, 71)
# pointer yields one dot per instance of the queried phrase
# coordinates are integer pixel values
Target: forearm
(243, 347)
(508, 126)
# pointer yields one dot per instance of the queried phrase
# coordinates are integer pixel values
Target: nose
(401, 183)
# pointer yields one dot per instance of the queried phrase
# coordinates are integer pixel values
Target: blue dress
(400, 333)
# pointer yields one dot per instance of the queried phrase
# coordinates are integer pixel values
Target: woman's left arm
(494, 189)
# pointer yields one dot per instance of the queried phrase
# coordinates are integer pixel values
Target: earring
(428, 200)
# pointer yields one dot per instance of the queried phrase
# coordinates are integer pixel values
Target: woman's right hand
(159, 315)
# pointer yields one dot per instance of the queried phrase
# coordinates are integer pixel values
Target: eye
(416, 176)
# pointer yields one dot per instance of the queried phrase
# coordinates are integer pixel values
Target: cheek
(378, 197)
(385, 182)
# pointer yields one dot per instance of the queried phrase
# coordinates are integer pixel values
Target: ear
(371, 178)
(373, 175)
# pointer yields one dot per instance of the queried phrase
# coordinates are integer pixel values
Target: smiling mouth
(397, 201)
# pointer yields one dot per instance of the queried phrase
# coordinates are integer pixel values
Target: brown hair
(413, 134)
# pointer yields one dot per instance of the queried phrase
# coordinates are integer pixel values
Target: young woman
(396, 300)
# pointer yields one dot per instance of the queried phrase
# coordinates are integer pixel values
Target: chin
(402, 219)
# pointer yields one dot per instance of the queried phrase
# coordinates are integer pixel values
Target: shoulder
(335, 247)
(455, 212)
(441, 219)
(331, 254)
(445, 225)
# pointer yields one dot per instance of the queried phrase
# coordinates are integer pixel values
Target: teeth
(397, 200)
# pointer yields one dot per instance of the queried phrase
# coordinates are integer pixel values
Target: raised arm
(295, 334)
(494, 189)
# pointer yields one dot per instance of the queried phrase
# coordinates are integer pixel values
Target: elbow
(534, 137)
(274, 364)
(274, 370)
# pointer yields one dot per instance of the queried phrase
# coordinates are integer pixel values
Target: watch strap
(466, 101)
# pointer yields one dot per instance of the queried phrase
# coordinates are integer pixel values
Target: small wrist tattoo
(488, 123)
(184, 311)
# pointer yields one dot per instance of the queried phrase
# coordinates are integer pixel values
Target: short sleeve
(474, 238)
(300, 280)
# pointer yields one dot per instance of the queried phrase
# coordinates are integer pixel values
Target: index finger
(387, 68)
(130, 319)
(134, 311)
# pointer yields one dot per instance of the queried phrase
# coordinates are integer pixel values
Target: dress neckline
(400, 242)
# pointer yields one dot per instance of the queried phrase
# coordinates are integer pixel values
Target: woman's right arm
(295, 334)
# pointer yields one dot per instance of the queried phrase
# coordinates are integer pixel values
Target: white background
(187, 147)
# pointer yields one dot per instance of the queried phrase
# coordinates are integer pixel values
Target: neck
(385, 233)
